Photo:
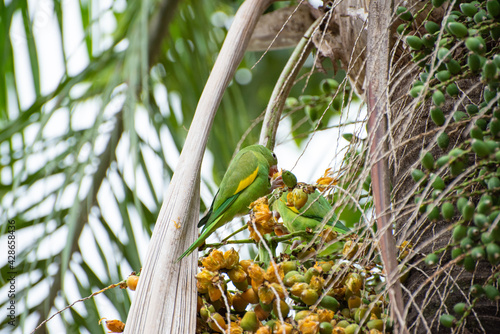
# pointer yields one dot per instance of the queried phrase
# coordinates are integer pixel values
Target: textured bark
(428, 292)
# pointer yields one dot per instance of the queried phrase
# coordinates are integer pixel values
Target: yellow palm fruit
(350, 249)
(317, 283)
(249, 322)
(132, 281)
(308, 326)
(115, 326)
(288, 266)
(354, 282)
(309, 296)
(235, 328)
(261, 313)
(284, 309)
(250, 296)
(325, 315)
(263, 330)
(256, 273)
(302, 315)
(237, 274)
(297, 288)
(214, 293)
(214, 261)
(273, 271)
(353, 302)
(283, 328)
(217, 323)
(231, 259)
(299, 198)
(266, 295)
(239, 303)
(338, 330)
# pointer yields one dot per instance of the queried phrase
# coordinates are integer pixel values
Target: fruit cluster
(290, 297)
(461, 184)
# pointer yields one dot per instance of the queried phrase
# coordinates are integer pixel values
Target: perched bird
(246, 179)
(299, 213)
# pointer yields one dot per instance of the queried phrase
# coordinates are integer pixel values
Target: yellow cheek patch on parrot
(247, 181)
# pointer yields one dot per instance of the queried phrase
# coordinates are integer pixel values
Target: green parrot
(309, 215)
(246, 179)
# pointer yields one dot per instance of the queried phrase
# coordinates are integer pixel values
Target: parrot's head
(269, 155)
(273, 165)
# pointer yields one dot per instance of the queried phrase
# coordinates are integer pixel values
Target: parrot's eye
(274, 156)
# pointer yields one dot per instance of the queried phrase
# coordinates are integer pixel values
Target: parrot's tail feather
(187, 252)
(205, 218)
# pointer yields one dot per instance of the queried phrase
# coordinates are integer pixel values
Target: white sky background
(307, 167)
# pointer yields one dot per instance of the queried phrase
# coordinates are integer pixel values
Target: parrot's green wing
(309, 216)
(245, 181)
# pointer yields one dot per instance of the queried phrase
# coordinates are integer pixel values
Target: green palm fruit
(438, 182)
(480, 148)
(377, 324)
(493, 253)
(432, 212)
(460, 308)
(447, 210)
(476, 290)
(458, 29)
(467, 243)
(289, 179)
(437, 3)
(431, 259)
(447, 320)
(443, 140)
(444, 55)
(428, 161)
(438, 98)
(495, 127)
(478, 253)
(459, 232)
(330, 303)
(472, 109)
(489, 71)
(468, 9)
(468, 211)
(404, 14)
(493, 183)
(491, 292)
(444, 75)
(476, 133)
(437, 116)
(469, 264)
(493, 8)
(480, 220)
(432, 27)
(417, 175)
(428, 40)
(442, 160)
(414, 42)
(401, 28)
(459, 115)
(452, 89)
(480, 16)
(454, 66)
(416, 90)
(325, 328)
(474, 62)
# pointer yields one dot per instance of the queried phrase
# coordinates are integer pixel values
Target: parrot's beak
(273, 170)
